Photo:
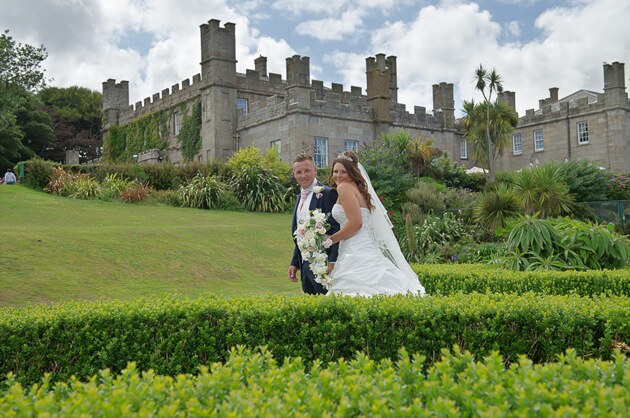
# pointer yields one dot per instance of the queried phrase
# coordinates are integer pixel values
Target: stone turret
(443, 100)
(218, 72)
(260, 65)
(299, 82)
(218, 52)
(115, 100)
(615, 84)
(509, 98)
(379, 87)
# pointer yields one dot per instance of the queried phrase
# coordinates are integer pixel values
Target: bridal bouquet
(310, 236)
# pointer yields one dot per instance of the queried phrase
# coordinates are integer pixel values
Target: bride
(370, 261)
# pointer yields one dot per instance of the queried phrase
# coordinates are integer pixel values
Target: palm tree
(488, 124)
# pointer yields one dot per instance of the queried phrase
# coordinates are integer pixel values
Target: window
(176, 122)
(351, 145)
(463, 149)
(517, 144)
(582, 130)
(241, 104)
(277, 144)
(320, 151)
(539, 140)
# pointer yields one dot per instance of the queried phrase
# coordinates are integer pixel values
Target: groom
(304, 171)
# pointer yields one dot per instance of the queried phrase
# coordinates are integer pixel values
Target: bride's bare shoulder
(345, 187)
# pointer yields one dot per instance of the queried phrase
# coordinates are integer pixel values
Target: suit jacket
(325, 204)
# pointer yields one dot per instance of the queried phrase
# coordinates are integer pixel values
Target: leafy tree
(20, 75)
(387, 163)
(76, 119)
(488, 124)
(36, 126)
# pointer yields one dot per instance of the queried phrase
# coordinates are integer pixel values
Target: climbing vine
(147, 132)
(190, 133)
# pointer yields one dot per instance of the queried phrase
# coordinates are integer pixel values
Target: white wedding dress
(361, 269)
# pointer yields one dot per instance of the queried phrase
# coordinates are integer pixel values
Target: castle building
(297, 114)
(582, 125)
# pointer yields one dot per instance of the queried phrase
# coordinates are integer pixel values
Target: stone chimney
(261, 65)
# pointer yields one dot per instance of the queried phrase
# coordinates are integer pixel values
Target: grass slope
(56, 249)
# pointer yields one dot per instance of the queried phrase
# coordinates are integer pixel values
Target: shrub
(435, 237)
(450, 279)
(619, 188)
(493, 208)
(162, 176)
(563, 244)
(59, 181)
(254, 383)
(83, 186)
(174, 335)
(585, 180)
(203, 192)
(166, 197)
(541, 190)
(38, 172)
(113, 186)
(259, 190)
(135, 193)
(423, 198)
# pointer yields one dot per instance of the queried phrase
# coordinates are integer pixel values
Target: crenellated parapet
(168, 98)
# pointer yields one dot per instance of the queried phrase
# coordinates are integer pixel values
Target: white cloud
(448, 41)
(332, 29)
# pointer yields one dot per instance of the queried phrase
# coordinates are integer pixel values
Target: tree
(489, 120)
(76, 119)
(36, 126)
(20, 76)
(502, 121)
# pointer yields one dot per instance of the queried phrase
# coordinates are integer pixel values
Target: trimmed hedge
(446, 279)
(175, 335)
(253, 384)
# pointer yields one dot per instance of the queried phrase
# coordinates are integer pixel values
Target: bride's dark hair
(350, 162)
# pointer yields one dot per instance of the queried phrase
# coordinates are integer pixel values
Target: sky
(532, 44)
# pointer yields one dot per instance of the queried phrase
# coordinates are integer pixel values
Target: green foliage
(76, 114)
(113, 185)
(564, 244)
(189, 135)
(436, 235)
(165, 197)
(174, 335)
(269, 160)
(619, 188)
(114, 144)
(454, 175)
(202, 192)
(147, 132)
(450, 279)
(541, 190)
(164, 176)
(387, 163)
(423, 198)
(259, 190)
(254, 383)
(38, 173)
(36, 126)
(586, 181)
(493, 208)
(20, 76)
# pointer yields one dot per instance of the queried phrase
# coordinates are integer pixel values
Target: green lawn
(56, 249)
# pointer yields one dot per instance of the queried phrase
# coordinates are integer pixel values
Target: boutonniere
(318, 191)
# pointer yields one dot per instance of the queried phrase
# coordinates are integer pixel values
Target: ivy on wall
(190, 133)
(150, 131)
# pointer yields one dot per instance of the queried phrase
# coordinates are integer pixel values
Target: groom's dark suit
(325, 204)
